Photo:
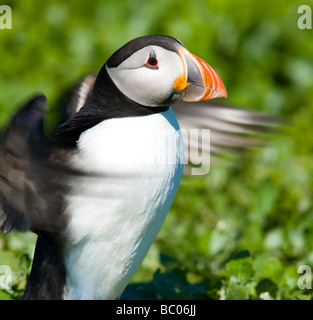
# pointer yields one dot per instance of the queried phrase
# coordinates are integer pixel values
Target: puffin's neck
(106, 101)
(113, 103)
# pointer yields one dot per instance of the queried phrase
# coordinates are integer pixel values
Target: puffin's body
(98, 191)
(126, 207)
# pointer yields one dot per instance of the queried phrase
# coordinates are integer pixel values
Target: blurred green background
(237, 233)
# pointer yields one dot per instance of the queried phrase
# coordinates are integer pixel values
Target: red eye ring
(152, 61)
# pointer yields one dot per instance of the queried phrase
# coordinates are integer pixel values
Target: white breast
(135, 166)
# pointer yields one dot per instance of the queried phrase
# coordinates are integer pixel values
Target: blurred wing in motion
(28, 180)
(232, 130)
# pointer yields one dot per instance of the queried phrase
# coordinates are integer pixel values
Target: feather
(29, 185)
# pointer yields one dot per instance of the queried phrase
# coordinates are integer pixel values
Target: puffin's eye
(152, 61)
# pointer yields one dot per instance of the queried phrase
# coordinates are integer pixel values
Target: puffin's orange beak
(199, 81)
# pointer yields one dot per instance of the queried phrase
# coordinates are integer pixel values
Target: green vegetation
(236, 233)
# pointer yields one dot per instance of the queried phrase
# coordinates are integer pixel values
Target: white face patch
(145, 85)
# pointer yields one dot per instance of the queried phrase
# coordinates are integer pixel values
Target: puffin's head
(158, 70)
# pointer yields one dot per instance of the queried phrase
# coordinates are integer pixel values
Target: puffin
(97, 190)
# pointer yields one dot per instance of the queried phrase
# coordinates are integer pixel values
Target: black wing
(30, 187)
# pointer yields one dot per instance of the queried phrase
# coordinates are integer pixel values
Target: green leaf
(139, 291)
(241, 254)
(25, 263)
(239, 270)
(169, 262)
(237, 291)
(4, 295)
(267, 285)
(267, 268)
(167, 285)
